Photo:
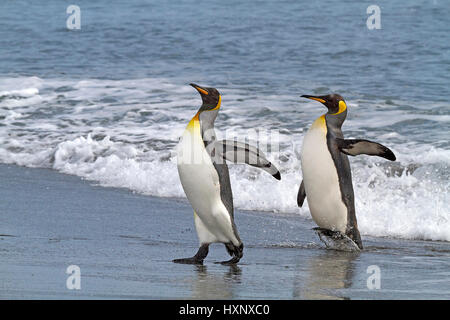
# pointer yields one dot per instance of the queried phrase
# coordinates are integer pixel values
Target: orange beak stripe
(201, 90)
(317, 99)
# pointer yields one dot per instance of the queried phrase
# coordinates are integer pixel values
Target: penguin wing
(239, 152)
(354, 147)
(301, 195)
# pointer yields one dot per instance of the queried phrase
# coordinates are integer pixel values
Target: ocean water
(109, 102)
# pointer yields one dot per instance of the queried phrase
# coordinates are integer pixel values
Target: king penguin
(327, 179)
(205, 178)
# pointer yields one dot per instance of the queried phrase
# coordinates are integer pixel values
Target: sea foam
(124, 134)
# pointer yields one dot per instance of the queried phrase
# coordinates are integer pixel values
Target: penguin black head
(210, 97)
(334, 102)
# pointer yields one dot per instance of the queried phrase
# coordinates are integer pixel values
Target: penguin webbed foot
(236, 252)
(234, 260)
(328, 232)
(337, 235)
(336, 240)
(192, 260)
(198, 258)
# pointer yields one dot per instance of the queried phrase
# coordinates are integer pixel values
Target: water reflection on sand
(209, 285)
(326, 273)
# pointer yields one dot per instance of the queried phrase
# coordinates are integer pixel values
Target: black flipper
(301, 195)
(354, 147)
(198, 258)
(239, 152)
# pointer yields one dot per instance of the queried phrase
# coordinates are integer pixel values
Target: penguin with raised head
(327, 180)
(205, 179)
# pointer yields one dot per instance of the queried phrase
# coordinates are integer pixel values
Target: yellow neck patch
(218, 104)
(342, 107)
(194, 122)
(320, 123)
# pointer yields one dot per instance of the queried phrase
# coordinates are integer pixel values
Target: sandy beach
(124, 242)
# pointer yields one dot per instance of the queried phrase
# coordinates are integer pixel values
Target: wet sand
(124, 243)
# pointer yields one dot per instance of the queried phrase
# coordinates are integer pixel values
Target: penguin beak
(314, 98)
(200, 89)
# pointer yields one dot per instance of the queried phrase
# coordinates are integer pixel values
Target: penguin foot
(236, 252)
(198, 258)
(336, 240)
(328, 233)
(230, 262)
(192, 260)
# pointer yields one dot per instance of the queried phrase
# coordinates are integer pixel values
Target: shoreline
(124, 243)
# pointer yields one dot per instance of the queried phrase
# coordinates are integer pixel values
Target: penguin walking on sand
(205, 179)
(327, 179)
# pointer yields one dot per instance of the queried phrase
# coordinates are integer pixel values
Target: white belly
(200, 182)
(321, 180)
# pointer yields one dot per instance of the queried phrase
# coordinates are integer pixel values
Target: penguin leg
(236, 252)
(353, 233)
(198, 258)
